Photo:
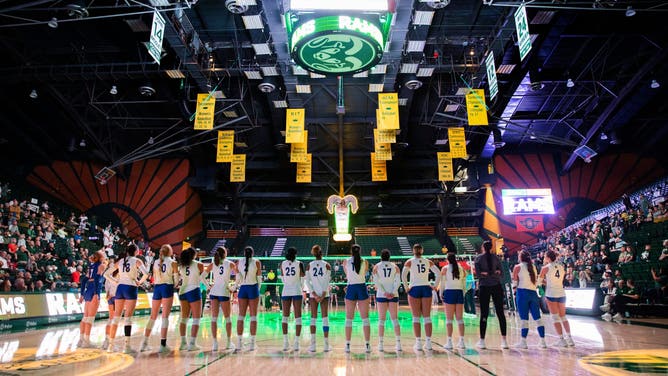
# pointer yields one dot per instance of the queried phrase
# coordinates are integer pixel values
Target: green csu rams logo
(627, 362)
(530, 223)
(337, 45)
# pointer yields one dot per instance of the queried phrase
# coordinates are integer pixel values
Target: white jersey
(189, 277)
(525, 278)
(318, 277)
(163, 273)
(110, 287)
(221, 278)
(554, 280)
(291, 277)
(387, 279)
(127, 271)
(250, 277)
(419, 272)
(448, 282)
(353, 277)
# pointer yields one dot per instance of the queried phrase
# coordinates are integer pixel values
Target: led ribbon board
(527, 201)
(338, 44)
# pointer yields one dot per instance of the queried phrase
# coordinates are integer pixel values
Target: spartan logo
(338, 53)
(530, 223)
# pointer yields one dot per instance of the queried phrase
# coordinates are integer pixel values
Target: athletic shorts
(418, 292)
(248, 292)
(453, 297)
(163, 291)
(291, 297)
(386, 300)
(89, 292)
(561, 299)
(191, 296)
(126, 292)
(111, 301)
(357, 292)
(219, 298)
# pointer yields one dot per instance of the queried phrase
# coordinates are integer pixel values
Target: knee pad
(298, 321)
(539, 322)
(555, 318)
(325, 321)
(427, 320)
(448, 321)
(128, 321)
(284, 320)
(365, 322)
(195, 322)
(524, 324)
(182, 320)
(225, 320)
(116, 321)
(395, 323)
(253, 318)
(349, 323)
(416, 320)
(165, 323)
(460, 322)
(240, 319)
(149, 324)
(563, 319)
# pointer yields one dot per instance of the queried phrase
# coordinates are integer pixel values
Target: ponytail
(316, 251)
(165, 251)
(291, 254)
(221, 253)
(187, 257)
(248, 254)
(452, 260)
(526, 257)
(487, 249)
(357, 259)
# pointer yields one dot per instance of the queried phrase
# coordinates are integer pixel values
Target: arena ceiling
(588, 80)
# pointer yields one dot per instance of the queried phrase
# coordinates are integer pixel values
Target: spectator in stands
(22, 257)
(584, 277)
(664, 251)
(20, 285)
(6, 285)
(644, 256)
(660, 290)
(626, 255)
(4, 263)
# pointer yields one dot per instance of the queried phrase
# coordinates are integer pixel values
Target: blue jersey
(92, 281)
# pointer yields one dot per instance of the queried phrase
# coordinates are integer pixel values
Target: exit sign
(522, 26)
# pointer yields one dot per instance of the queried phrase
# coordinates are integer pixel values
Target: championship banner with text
(378, 169)
(206, 109)
(382, 155)
(304, 170)
(298, 150)
(379, 147)
(445, 170)
(388, 106)
(238, 168)
(476, 108)
(457, 140)
(185, 245)
(529, 223)
(225, 147)
(294, 125)
(385, 136)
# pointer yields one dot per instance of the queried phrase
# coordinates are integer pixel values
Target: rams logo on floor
(627, 362)
(86, 362)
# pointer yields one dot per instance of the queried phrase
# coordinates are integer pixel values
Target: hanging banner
(388, 106)
(378, 169)
(385, 136)
(476, 108)
(383, 155)
(206, 110)
(382, 148)
(298, 150)
(154, 44)
(529, 223)
(225, 147)
(445, 170)
(522, 26)
(238, 168)
(304, 170)
(185, 245)
(457, 140)
(294, 125)
(491, 76)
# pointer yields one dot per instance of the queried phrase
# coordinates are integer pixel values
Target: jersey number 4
(556, 274)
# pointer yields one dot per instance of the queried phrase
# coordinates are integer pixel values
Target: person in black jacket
(488, 271)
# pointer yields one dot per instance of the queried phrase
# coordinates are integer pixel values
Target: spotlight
(53, 23)
(82, 143)
(303, 206)
(151, 140)
(33, 94)
(630, 12)
(113, 90)
(604, 136)
(472, 52)
(570, 83)
(655, 84)
(380, 205)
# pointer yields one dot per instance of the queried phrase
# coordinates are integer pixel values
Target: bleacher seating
(430, 244)
(378, 243)
(277, 240)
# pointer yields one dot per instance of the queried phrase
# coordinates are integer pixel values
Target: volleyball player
(386, 276)
(90, 293)
(355, 269)
(126, 293)
(419, 294)
(110, 285)
(165, 269)
(453, 282)
(488, 269)
(553, 274)
(248, 280)
(524, 277)
(190, 297)
(292, 272)
(318, 276)
(220, 295)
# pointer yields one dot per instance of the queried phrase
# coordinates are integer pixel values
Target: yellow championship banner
(379, 147)
(476, 108)
(388, 114)
(457, 140)
(238, 168)
(225, 146)
(298, 150)
(445, 170)
(304, 170)
(383, 155)
(294, 125)
(385, 136)
(206, 109)
(378, 169)
(185, 245)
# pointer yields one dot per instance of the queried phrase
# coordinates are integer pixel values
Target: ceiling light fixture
(655, 84)
(82, 143)
(380, 205)
(53, 23)
(604, 136)
(33, 94)
(630, 12)
(570, 83)
(113, 90)
(151, 140)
